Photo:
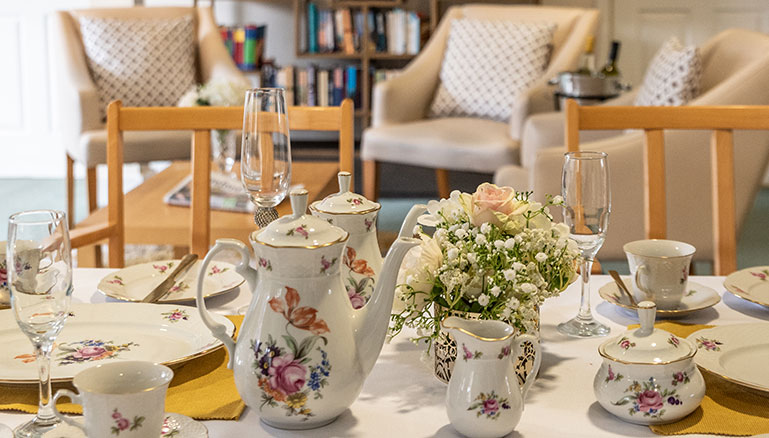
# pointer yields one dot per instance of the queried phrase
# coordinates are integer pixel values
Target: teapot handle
(407, 229)
(219, 330)
(532, 375)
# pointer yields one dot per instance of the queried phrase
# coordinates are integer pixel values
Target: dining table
(401, 397)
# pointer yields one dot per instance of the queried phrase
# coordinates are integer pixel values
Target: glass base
(578, 328)
(36, 428)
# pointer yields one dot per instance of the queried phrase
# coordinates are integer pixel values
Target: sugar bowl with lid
(648, 375)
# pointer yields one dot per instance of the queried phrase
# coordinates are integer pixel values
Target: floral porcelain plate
(174, 425)
(751, 284)
(135, 282)
(107, 332)
(696, 298)
(738, 353)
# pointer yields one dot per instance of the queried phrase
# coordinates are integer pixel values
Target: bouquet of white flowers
(493, 252)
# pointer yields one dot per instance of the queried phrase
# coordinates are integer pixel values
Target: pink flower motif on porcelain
(648, 399)
(122, 423)
(217, 270)
(488, 405)
(176, 315)
(708, 344)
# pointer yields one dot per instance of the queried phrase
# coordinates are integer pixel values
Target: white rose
(483, 300)
(417, 271)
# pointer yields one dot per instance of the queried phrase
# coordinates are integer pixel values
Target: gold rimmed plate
(738, 353)
(697, 297)
(750, 284)
(135, 282)
(107, 332)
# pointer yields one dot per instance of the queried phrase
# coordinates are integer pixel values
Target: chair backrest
(721, 120)
(201, 121)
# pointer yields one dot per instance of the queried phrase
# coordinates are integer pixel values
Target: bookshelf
(365, 55)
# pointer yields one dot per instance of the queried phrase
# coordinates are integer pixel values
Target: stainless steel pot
(580, 85)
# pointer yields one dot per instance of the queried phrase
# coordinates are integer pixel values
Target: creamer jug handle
(532, 375)
(219, 331)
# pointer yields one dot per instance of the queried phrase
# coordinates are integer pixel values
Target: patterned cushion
(143, 62)
(673, 77)
(487, 64)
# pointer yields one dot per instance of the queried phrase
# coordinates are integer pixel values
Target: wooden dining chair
(201, 121)
(721, 120)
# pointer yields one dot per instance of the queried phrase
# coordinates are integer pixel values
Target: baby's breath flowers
(493, 252)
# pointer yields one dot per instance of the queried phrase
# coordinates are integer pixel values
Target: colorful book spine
(249, 48)
(312, 28)
(239, 36)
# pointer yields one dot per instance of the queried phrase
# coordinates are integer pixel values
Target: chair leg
(371, 179)
(70, 192)
(94, 257)
(444, 187)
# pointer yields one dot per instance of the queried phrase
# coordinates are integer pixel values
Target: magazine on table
(227, 194)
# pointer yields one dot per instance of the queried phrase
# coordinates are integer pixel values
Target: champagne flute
(265, 165)
(586, 207)
(40, 279)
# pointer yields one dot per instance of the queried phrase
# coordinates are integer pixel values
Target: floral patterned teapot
(483, 399)
(303, 352)
(362, 260)
(648, 375)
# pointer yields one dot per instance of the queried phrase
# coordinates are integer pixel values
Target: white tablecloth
(402, 398)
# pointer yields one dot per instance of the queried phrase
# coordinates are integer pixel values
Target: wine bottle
(610, 69)
(587, 64)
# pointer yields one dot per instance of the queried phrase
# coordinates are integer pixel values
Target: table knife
(163, 288)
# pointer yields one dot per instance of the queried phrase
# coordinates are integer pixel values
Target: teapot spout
(371, 322)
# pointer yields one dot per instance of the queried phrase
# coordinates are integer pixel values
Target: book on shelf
(319, 86)
(349, 31)
(245, 44)
(227, 194)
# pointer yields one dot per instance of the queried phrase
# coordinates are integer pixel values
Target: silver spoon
(622, 287)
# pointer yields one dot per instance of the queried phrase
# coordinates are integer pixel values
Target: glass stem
(585, 316)
(43, 359)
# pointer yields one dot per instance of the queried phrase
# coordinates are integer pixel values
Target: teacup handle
(532, 375)
(75, 399)
(648, 295)
(219, 330)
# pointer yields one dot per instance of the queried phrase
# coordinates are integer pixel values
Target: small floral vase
(446, 352)
(224, 148)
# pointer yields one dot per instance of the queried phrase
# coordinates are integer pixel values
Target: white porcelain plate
(98, 333)
(174, 425)
(696, 298)
(738, 353)
(135, 282)
(751, 284)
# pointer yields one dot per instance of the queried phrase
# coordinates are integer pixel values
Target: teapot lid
(345, 202)
(299, 230)
(646, 344)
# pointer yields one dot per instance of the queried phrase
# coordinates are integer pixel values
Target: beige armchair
(401, 133)
(84, 132)
(735, 67)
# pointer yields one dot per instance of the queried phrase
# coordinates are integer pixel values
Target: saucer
(750, 284)
(174, 425)
(697, 297)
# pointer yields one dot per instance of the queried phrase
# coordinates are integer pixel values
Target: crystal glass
(586, 207)
(265, 165)
(40, 280)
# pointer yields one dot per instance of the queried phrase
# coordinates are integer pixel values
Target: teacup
(124, 398)
(660, 270)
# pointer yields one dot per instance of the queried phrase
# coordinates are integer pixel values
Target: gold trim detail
(604, 354)
(443, 325)
(370, 210)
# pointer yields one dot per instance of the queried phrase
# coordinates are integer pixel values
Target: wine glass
(586, 207)
(40, 280)
(265, 165)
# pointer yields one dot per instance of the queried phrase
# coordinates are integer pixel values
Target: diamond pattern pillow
(143, 62)
(487, 64)
(673, 77)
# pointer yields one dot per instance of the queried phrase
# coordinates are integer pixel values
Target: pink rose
(116, 414)
(489, 199)
(123, 424)
(625, 344)
(356, 299)
(286, 374)
(649, 401)
(490, 406)
(88, 352)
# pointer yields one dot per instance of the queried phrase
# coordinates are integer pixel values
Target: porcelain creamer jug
(484, 399)
(362, 259)
(303, 352)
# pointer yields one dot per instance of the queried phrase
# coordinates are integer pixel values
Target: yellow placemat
(202, 388)
(727, 409)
